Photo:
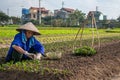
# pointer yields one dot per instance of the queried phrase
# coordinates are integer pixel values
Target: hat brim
(34, 33)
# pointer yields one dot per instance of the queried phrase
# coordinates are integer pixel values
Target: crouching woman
(25, 46)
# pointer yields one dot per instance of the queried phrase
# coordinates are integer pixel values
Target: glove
(38, 56)
(30, 55)
(45, 57)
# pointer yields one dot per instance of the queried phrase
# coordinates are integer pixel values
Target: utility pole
(96, 8)
(39, 12)
(8, 11)
(22, 15)
(62, 4)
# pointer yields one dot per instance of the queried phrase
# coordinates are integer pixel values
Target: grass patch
(116, 30)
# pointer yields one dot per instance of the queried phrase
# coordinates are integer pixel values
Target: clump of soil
(102, 66)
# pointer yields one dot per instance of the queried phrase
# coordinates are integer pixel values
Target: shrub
(85, 51)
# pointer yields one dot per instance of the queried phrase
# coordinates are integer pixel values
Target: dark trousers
(18, 57)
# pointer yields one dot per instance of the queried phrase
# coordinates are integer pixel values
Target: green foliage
(113, 30)
(85, 51)
(16, 20)
(3, 17)
(118, 18)
(76, 18)
(31, 66)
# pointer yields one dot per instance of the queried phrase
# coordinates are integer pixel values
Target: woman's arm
(19, 49)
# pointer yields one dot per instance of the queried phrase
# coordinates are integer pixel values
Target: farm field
(57, 34)
(105, 65)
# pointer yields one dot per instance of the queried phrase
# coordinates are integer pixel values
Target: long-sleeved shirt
(30, 45)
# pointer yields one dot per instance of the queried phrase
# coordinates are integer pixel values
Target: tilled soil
(102, 66)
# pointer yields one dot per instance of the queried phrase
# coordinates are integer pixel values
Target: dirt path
(117, 77)
(103, 66)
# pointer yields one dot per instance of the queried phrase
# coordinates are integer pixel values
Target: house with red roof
(63, 12)
(33, 13)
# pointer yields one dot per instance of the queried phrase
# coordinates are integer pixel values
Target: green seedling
(85, 51)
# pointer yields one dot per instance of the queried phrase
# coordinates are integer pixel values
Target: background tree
(57, 23)
(16, 20)
(76, 18)
(118, 18)
(3, 17)
(118, 22)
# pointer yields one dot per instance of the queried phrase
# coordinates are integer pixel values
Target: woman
(24, 45)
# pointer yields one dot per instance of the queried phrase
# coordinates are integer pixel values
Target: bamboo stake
(80, 29)
(97, 32)
(92, 30)
(93, 22)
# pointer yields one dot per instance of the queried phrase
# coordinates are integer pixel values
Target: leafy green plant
(29, 66)
(85, 51)
(32, 66)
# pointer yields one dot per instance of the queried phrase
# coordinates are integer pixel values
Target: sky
(111, 8)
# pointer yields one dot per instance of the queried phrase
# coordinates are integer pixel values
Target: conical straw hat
(29, 26)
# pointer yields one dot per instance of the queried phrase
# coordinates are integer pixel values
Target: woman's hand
(30, 55)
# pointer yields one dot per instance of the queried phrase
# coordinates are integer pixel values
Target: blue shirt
(28, 45)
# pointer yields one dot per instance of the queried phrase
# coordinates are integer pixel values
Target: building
(25, 15)
(33, 13)
(96, 14)
(63, 12)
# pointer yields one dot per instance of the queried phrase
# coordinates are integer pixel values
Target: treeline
(5, 19)
(75, 19)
